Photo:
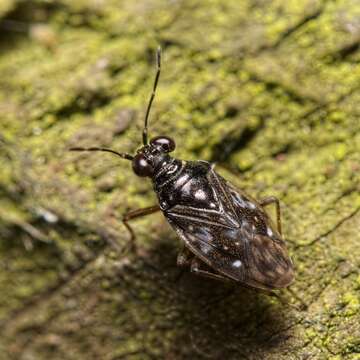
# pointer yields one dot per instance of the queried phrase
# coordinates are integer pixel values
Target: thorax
(184, 183)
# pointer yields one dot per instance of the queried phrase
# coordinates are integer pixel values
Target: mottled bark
(267, 89)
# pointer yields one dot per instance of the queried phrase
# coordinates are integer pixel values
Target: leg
(271, 200)
(184, 257)
(136, 214)
(183, 260)
(304, 305)
(276, 295)
(199, 268)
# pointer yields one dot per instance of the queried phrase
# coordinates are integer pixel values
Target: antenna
(122, 155)
(158, 65)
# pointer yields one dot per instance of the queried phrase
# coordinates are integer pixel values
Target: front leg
(131, 215)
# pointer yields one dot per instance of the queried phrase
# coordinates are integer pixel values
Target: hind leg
(273, 200)
(187, 259)
(199, 268)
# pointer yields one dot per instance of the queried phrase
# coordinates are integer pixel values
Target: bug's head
(151, 156)
(162, 143)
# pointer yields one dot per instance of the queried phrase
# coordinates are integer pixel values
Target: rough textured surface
(267, 89)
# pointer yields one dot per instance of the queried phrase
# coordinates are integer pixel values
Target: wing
(236, 238)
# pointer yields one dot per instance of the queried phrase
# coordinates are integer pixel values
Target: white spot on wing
(237, 263)
(269, 232)
(200, 195)
(192, 238)
(205, 248)
(251, 205)
(181, 180)
(48, 216)
(186, 188)
(240, 200)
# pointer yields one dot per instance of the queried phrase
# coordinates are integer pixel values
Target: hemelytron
(226, 233)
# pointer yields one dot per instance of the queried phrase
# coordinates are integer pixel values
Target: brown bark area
(268, 90)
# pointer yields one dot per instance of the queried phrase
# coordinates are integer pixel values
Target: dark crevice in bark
(305, 20)
(332, 230)
(233, 142)
(324, 106)
(291, 30)
(84, 105)
(345, 52)
(272, 86)
(44, 295)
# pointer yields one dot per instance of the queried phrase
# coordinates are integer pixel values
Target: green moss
(263, 88)
(351, 301)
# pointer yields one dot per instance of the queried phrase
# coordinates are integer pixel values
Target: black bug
(227, 234)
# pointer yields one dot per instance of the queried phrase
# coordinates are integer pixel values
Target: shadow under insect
(208, 318)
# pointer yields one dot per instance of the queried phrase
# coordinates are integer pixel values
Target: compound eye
(141, 166)
(167, 144)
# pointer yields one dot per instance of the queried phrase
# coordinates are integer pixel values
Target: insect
(226, 234)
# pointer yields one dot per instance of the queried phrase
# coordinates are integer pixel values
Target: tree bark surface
(268, 90)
